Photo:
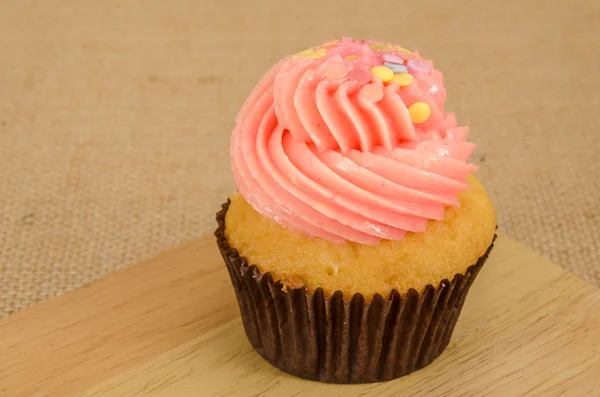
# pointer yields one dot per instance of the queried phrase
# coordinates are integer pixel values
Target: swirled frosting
(349, 141)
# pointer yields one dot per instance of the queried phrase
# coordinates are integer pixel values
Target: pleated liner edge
(330, 340)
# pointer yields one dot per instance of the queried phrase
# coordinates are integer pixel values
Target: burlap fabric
(115, 119)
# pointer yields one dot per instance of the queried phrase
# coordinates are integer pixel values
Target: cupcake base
(329, 339)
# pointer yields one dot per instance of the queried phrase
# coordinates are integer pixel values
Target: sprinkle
(403, 79)
(380, 47)
(418, 66)
(383, 72)
(320, 53)
(402, 49)
(395, 67)
(372, 92)
(352, 57)
(305, 53)
(361, 76)
(336, 71)
(393, 59)
(419, 112)
(312, 53)
(330, 43)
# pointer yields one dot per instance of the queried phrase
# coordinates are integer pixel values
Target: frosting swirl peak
(349, 141)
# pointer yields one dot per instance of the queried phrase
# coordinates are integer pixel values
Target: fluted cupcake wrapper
(331, 340)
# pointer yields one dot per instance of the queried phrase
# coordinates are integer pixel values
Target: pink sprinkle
(361, 76)
(372, 92)
(336, 71)
(418, 66)
(393, 59)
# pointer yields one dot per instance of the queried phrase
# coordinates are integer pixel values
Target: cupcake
(358, 226)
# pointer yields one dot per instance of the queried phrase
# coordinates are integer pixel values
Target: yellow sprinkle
(402, 49)
(330, 43)
(320, 53)
(419, 112)
(383, 72)
(314, 54)
(305, 53)
(380, 47)
(403, 79)
(352, 57)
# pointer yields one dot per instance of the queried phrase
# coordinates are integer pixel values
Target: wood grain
(171, 327)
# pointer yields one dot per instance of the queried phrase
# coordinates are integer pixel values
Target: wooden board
(171, 327)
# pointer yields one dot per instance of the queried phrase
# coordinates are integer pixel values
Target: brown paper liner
(330, 340)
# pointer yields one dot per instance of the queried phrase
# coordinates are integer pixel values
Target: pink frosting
(325, 147)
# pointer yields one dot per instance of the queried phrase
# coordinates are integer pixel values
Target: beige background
(115, 119)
